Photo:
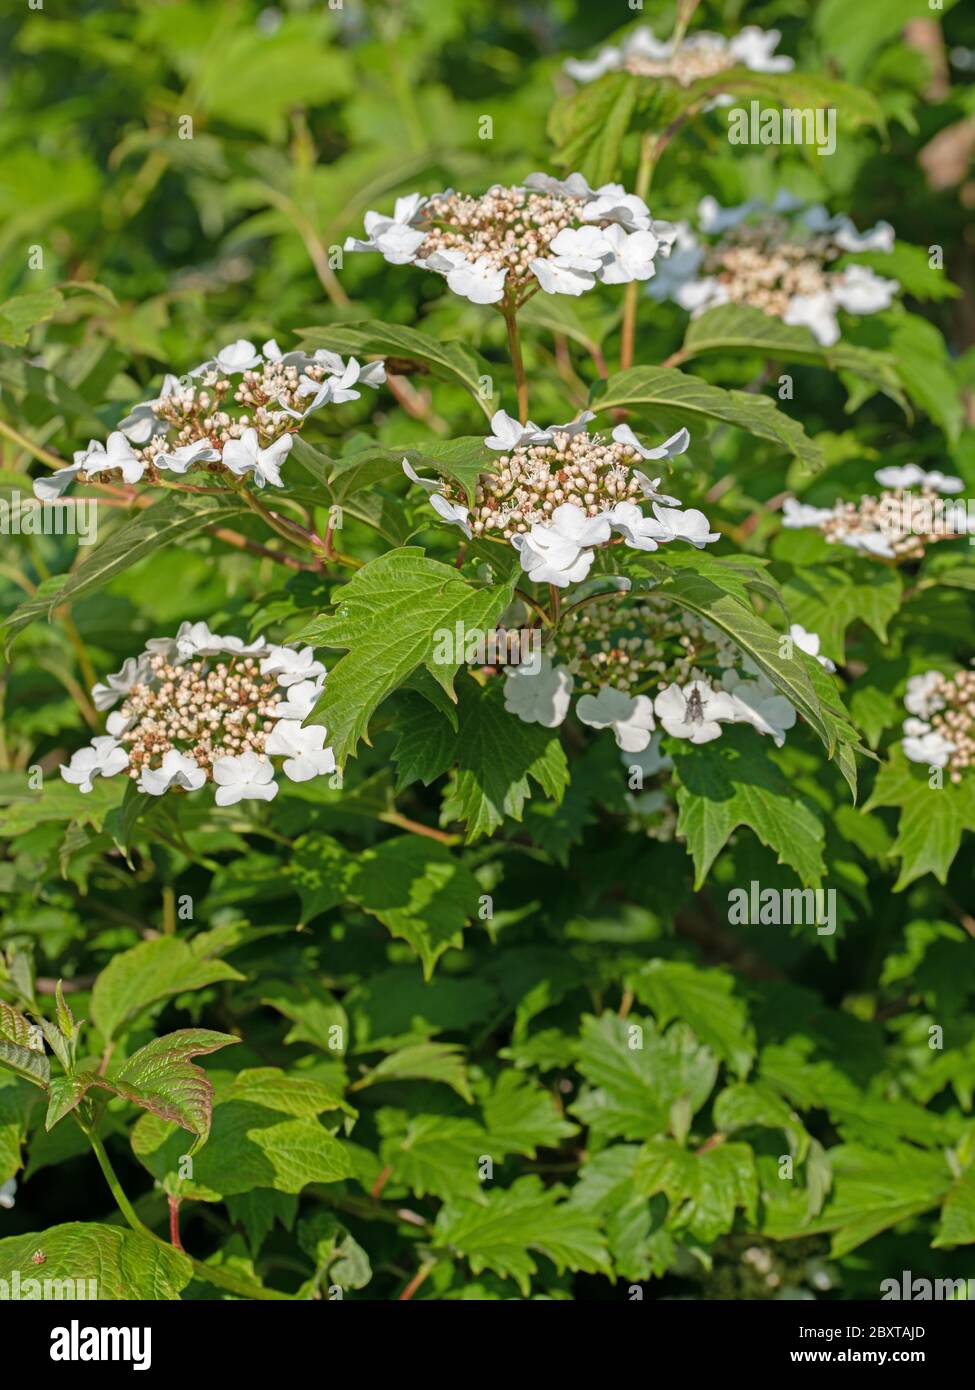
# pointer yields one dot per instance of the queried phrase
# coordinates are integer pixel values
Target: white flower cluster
(897, 525)
(701, 55)
(558, 235)
(694, 706)
(559, 493)
(776, 258)
(202, 707)
(238, 413)
(941, 729)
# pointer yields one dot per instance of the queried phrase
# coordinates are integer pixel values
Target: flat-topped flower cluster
(899, 524)
(560, 493)
(940, 731)
(639, 665)
(779, 258)
(685, 60)
(558, 235)
(236, 413)
(201, 707)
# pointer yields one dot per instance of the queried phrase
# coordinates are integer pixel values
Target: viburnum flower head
(780, 258)
(236, 413)
(941, 730)
(559, 493)
(206, 707)
(899, 524)
(557, 235)
(698, 56)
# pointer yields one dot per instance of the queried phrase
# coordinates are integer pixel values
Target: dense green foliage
(470, 1016)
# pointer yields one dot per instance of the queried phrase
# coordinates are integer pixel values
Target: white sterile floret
(695, 712)
(245, 455)
(116, 452)
(247, 777)
(758, 703)
(922, 744)
(304, 748)
(548, 558)
(236, 357)
(186, 456)
(104, 757)
(454, 513)
(539, 697)
(798, 515)
(105, 695)
(677, 444)
(809, 642)
(639, 531)
(8, 1191)
(396, 237)
(923, 697)
(301, 700)
(690, 525)
(296, 358)
(54, 485)
(477, 280)
(177, 770)
(629, 716)
(910, 475)
(143, 423)
(612, 203)
(292, 664)
(508, 434)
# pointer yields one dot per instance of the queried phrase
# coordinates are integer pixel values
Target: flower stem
(35, 450)
(220, 1278)
(556, 598)
(632, 299)
(514, 346)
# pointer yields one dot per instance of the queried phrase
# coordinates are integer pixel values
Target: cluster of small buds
(767, 265)
(509, 227)
(941, 731)
(205, 710)
(645, 644)
(591, 473)
(201, 707)
(687, 65)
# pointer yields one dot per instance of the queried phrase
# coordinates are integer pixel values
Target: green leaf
(164, 523)
(387, 619)
(931, 821)
(147, 973)
(703, 999)
(520, 1117)
(263, 1134)
(734, 783)
(420, 891)
(705, 1189)
(16, 1050)
(589, 126)
(637, 1075)
(516, 1223)
(493, 755)
(370, 337)
(957, 1224)
(103, 1262)
(426, 1061)
(741, 328)
(828, 599)
(434, 1155)
(22, 313)
(678, 393)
